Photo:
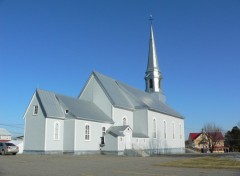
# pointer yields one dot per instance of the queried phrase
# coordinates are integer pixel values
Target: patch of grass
(204, 162)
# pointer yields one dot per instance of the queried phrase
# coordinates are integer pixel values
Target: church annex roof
(117, 130)
(124, 96)
(56, 105)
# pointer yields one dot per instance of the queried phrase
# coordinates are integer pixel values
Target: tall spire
(153, 75)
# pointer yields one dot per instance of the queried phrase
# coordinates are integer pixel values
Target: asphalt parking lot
(98, 165)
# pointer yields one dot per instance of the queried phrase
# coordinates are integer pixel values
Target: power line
(12, 125)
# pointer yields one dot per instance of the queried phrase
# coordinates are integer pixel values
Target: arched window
(103, 131)
(154, 128)
(180, 131)
(173, 130)
(56, 135)
(35, 110)
(124, 121)
(165, 129)
(87, 132)
(151, 83)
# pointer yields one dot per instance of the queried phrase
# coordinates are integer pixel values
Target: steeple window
(150, 83)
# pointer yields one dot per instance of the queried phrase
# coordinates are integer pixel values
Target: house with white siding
(5, 135)
(108, 116)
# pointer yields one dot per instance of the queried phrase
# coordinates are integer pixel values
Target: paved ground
(98, 165)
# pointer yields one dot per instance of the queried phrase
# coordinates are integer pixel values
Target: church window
(103, 131)
(124, 121)
(103, 134)
(87, 132)
(173, 130)
(151, 83)
(154, 128)
(180, 131)
(56, 135)
(35, 110)
(165, 129)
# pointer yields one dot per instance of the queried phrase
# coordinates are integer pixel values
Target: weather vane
(150, 18)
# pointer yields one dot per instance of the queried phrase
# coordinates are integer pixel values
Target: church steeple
(153, 75)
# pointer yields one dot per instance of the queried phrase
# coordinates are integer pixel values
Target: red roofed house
(199, 141)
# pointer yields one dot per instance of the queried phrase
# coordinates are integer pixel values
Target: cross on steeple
(150, 18)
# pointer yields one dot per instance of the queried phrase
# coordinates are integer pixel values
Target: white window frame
(87, 132)
(124, 122)
(35, 110)
(154, 123)
(56, 131)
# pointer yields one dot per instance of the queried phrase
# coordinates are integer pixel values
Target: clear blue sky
(56, 44)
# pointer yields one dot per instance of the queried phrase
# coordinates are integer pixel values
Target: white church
(108, 116)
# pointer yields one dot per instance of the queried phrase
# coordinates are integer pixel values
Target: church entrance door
(128, 141)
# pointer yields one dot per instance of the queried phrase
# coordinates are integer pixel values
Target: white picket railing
(139, 150)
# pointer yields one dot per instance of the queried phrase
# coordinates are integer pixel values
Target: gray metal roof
(4, 132)
(82, 109)
(55, 105)
(140, 135)
(50, 104)
(117, 130)
(125, 96)
(152, 53)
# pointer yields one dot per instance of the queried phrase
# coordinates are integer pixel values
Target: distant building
(108, 116)
(5, 136)
(199, 141)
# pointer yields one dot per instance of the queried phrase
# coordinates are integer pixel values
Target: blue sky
(55, 45)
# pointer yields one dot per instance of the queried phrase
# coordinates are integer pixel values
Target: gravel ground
(99, 165)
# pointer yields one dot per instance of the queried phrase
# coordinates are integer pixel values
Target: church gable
(95, 93)
(35, 108)
(122, 95)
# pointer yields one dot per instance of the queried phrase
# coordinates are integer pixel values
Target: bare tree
(214, 135)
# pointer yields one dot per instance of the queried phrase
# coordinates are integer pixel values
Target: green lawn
(205, 162)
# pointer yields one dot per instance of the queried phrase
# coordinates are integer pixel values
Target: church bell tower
(153, 75)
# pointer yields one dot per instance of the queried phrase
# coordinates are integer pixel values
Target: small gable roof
(117, 130)
(216, 135)
(193, 136)
(127, 97)
(55, 105)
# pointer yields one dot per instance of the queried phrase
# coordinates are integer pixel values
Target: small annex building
(108, 116)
